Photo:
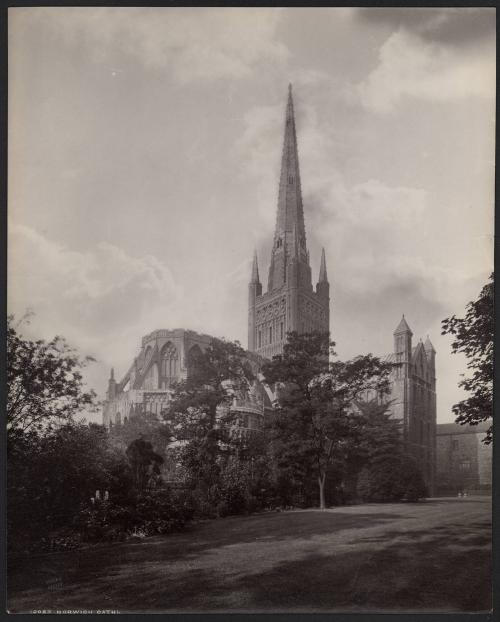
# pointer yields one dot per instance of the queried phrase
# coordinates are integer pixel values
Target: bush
(150, 513)
(391, 479)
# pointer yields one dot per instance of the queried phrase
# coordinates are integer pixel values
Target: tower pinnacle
(255, 269)
(322, 269)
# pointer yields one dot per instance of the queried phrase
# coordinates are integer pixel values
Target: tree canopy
(44, 382)
(314, 420)
(473, 336)
(198, 415)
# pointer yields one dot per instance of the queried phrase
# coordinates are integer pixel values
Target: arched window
(169, 366)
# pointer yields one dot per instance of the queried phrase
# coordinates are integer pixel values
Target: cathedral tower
(290, 303)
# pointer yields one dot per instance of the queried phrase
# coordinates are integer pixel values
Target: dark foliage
(391, 478)
(473, 336)
(314, 424)
(147, 513)
(50, 476)
(144, 463)
(44, 382)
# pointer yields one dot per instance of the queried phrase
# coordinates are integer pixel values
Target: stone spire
(403, 327)
(290, 213)
(402, 339)
(290, 210)
(255, 269)
(428, 345)
(323, 278)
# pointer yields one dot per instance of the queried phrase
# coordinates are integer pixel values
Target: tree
(473, 336)
(199, 416)
(144, 462)
(45, 383)
(142, 424)
(376, 436)
(314, 421)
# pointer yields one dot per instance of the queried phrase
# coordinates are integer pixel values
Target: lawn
(433, 555)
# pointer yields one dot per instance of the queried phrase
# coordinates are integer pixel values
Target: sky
(144, 155)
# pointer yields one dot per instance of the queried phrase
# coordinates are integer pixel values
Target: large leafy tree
(473, 336)
(199, 417)
(314, 421)
(44, 382)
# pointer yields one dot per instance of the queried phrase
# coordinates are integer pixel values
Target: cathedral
(291, 303)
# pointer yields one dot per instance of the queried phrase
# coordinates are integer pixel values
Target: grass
(429, 556)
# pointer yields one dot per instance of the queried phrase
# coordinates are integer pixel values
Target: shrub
(149, 513)
(391, 479)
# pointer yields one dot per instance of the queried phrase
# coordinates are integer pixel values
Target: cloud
(451, 26)
(412, 67)
(97, 299)
(194, 44)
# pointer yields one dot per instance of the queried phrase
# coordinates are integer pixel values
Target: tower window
(260, 338)
(270, 334)
(281, 331)
(290, 180)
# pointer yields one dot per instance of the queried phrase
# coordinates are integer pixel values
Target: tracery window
(169, 365)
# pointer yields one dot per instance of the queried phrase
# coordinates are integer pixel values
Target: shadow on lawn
(443, 568)
(438, 572)
(89, 564)
(425, 570)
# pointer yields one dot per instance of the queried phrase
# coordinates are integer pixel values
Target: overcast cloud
(144, 153)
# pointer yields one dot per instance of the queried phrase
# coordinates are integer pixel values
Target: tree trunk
(321, 482)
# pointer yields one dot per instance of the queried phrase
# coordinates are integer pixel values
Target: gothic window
(118, 418)
(151, 379)
(260, 338)
(290, 180)
(169, 363)
(270, 334)
(281, 331)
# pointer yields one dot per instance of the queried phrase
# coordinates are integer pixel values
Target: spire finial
(112, 376)
(323, 278)
(289, 88)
